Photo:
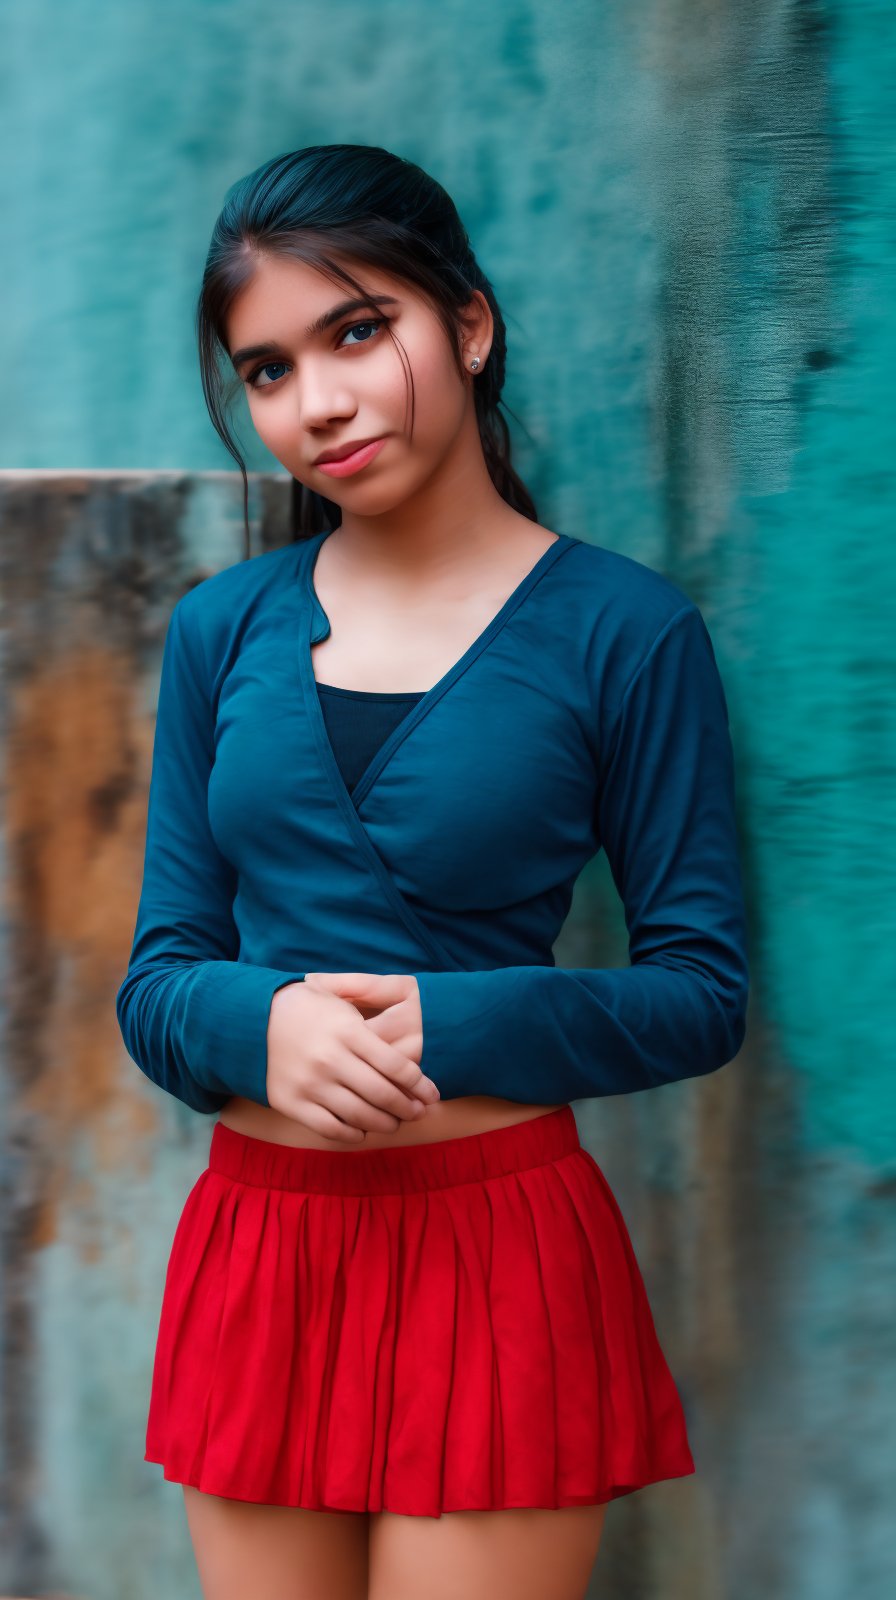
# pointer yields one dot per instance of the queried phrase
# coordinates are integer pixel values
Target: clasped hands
(389, 1004)
(344, 1053)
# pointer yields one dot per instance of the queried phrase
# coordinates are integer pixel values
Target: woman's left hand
(389, 1003)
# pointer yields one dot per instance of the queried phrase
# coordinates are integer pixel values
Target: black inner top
(358, 721)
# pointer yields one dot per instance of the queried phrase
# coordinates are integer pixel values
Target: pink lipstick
(352, 463)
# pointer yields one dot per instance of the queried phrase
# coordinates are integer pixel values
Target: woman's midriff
(446, 1119)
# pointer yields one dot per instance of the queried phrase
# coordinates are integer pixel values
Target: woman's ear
(478, 325)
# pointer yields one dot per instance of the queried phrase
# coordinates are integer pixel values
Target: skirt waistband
(433, 1165)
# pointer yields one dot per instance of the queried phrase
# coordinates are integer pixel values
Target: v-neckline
(317, 626)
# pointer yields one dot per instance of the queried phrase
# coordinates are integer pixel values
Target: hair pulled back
(364, 203)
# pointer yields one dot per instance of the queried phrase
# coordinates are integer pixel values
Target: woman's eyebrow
(251, 351)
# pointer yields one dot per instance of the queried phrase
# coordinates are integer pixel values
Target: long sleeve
(666, 819)
(193, 1017)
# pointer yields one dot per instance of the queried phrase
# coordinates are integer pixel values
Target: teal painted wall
(687, 212)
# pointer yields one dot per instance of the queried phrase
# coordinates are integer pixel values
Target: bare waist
(447, 1119)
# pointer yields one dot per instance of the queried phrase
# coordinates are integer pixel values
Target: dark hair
(361, 202)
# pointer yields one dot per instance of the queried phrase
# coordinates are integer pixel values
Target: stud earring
(474, 363)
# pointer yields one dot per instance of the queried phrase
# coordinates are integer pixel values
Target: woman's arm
(193, 1017)
(666, 819)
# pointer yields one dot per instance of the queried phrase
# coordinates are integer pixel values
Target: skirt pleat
(459, 1325)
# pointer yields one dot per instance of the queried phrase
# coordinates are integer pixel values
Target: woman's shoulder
(625, 581)
(243, 581)
(620, 604)
(220, 604)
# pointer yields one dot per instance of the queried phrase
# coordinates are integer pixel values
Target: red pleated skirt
(458, 1325)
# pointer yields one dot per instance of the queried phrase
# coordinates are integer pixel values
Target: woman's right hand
(328, 1069)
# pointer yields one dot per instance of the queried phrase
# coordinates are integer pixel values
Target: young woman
(404, 1335)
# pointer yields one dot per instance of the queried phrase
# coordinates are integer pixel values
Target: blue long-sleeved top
(589, 714)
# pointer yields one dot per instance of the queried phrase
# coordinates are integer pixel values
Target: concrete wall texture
(687, 212)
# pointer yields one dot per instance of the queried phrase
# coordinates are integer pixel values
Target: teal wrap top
(588, 715)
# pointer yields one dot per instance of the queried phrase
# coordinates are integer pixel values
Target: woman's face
(311, 389)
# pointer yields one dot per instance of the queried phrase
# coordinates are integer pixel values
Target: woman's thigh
(532, 1554)
(244, 1550)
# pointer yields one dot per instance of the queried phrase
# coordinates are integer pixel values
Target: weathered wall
(687, 212)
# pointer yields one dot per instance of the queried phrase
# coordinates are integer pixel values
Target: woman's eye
(253, 377)
(356, 325)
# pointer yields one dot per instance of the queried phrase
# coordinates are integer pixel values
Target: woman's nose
(321, 404)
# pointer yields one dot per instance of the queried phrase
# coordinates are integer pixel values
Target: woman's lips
(352, 463)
